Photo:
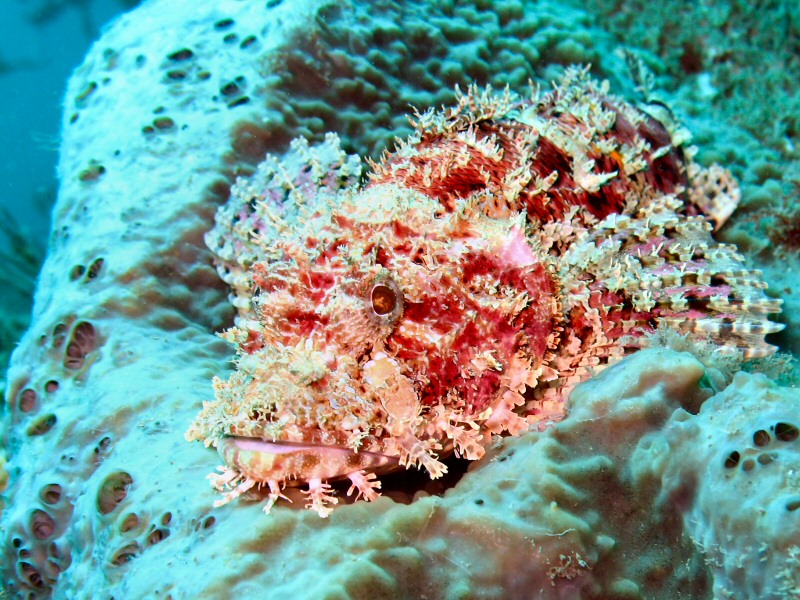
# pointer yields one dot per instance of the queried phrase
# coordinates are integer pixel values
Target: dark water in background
(41, 42)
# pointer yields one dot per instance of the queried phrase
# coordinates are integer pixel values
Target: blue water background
(41, 43)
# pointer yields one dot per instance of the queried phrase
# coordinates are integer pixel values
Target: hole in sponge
(42, 525)
(59, 334)
(103, 445)
(129, 523)
(76, 272)
(786, 432)
(125, 555)
(82, 342)
(94, 269)
(181, 55)
(54, 551)
(51, 493)
(27, 400)
(732, 460)
(113, 491)
(32, 575)
(765, 458)
(793, 504)
(41, 425)
(51, 569)
(157, 535)
(761, 438)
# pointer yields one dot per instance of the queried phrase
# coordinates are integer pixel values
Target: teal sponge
(731, 470)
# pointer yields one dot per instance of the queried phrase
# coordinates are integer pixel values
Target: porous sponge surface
(732, 469)
(105, 496)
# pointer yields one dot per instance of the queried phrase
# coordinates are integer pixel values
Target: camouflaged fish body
(499, 256)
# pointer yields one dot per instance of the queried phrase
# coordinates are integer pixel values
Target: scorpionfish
(509, 249)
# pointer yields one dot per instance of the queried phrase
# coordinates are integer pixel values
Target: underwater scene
(448, 300)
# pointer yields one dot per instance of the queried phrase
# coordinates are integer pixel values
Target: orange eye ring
(384, 300)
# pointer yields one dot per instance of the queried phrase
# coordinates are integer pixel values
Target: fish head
(389, 323)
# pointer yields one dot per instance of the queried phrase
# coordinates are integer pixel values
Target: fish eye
(384, 300)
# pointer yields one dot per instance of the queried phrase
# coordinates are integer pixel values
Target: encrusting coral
(504, 252)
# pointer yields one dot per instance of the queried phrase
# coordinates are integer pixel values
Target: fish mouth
(298, 462)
